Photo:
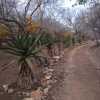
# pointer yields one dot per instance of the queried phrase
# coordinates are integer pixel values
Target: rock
(49, 74)
(27, 94)
(5, 87)
(47, 77)
(51, 70)
(56, 58)
(19, 93)
(52, 62)
(28, 99)
(1, 88)
(10, 91)
(46, 91)
(49, 86)
(43, 81)
(37, 95)
(54, 81)
(49, 82)
(48, 70)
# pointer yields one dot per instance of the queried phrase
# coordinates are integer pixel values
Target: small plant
(48, 40)
(67, 41)
(4, 31)
(24, 47)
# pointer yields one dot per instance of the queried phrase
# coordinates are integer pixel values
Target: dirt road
(82, 80)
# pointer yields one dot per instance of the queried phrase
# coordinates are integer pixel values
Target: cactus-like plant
(24, 47)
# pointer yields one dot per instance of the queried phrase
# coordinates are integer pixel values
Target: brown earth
(81, 78)
(79, 75)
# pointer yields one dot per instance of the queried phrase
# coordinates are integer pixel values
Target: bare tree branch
(39, 4)
(27, 7)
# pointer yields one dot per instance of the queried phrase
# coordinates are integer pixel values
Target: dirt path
(82, 81)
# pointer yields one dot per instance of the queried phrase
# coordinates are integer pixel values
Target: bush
(25, 47)
(67, 41)
(4, 31)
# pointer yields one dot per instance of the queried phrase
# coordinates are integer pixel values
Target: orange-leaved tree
(4, 31)
(32, 26)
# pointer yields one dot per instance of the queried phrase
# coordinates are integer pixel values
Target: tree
(25, 48)
(32, 26)
(10, 14)
(94, 21)
(82, 1)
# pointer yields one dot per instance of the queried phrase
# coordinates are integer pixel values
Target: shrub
(67, 40)
(4, 31)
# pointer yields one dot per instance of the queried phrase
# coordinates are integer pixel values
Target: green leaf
(82, 1)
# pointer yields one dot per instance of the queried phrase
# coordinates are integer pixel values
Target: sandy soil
(8, 69)
(82, 79)
(8, 74)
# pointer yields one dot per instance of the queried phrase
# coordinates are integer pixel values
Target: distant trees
(14, 14)
(89, 22)
(82, 1)
(73, 24)
(11, 16)
(86, 23)
(94, 21)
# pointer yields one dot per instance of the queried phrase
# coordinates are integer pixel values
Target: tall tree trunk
(25, 78)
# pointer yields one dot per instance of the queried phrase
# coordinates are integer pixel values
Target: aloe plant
(48, 40)
(24, 47)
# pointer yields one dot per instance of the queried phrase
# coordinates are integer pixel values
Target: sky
(69, 3)
(66, 3)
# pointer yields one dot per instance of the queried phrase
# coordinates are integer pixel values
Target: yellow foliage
(4, 31)
(32, 26)
(67, 33)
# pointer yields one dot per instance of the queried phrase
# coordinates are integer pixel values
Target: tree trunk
(96, 38)
(25, 78)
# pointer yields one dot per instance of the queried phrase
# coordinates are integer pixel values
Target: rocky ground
(76, 76)
(8, 75)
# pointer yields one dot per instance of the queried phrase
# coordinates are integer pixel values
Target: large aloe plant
(24, 47)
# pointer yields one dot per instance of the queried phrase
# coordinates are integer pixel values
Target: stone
(37, 95)
(56, 57)
(51, 70)
(19, 93)
(5, 87)
(49, 86)
(10, 91)
(48, 70)
(28, 99)
(47, 77)
(46, 91)
(49, 82)
(44, 82)
(26, 94)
